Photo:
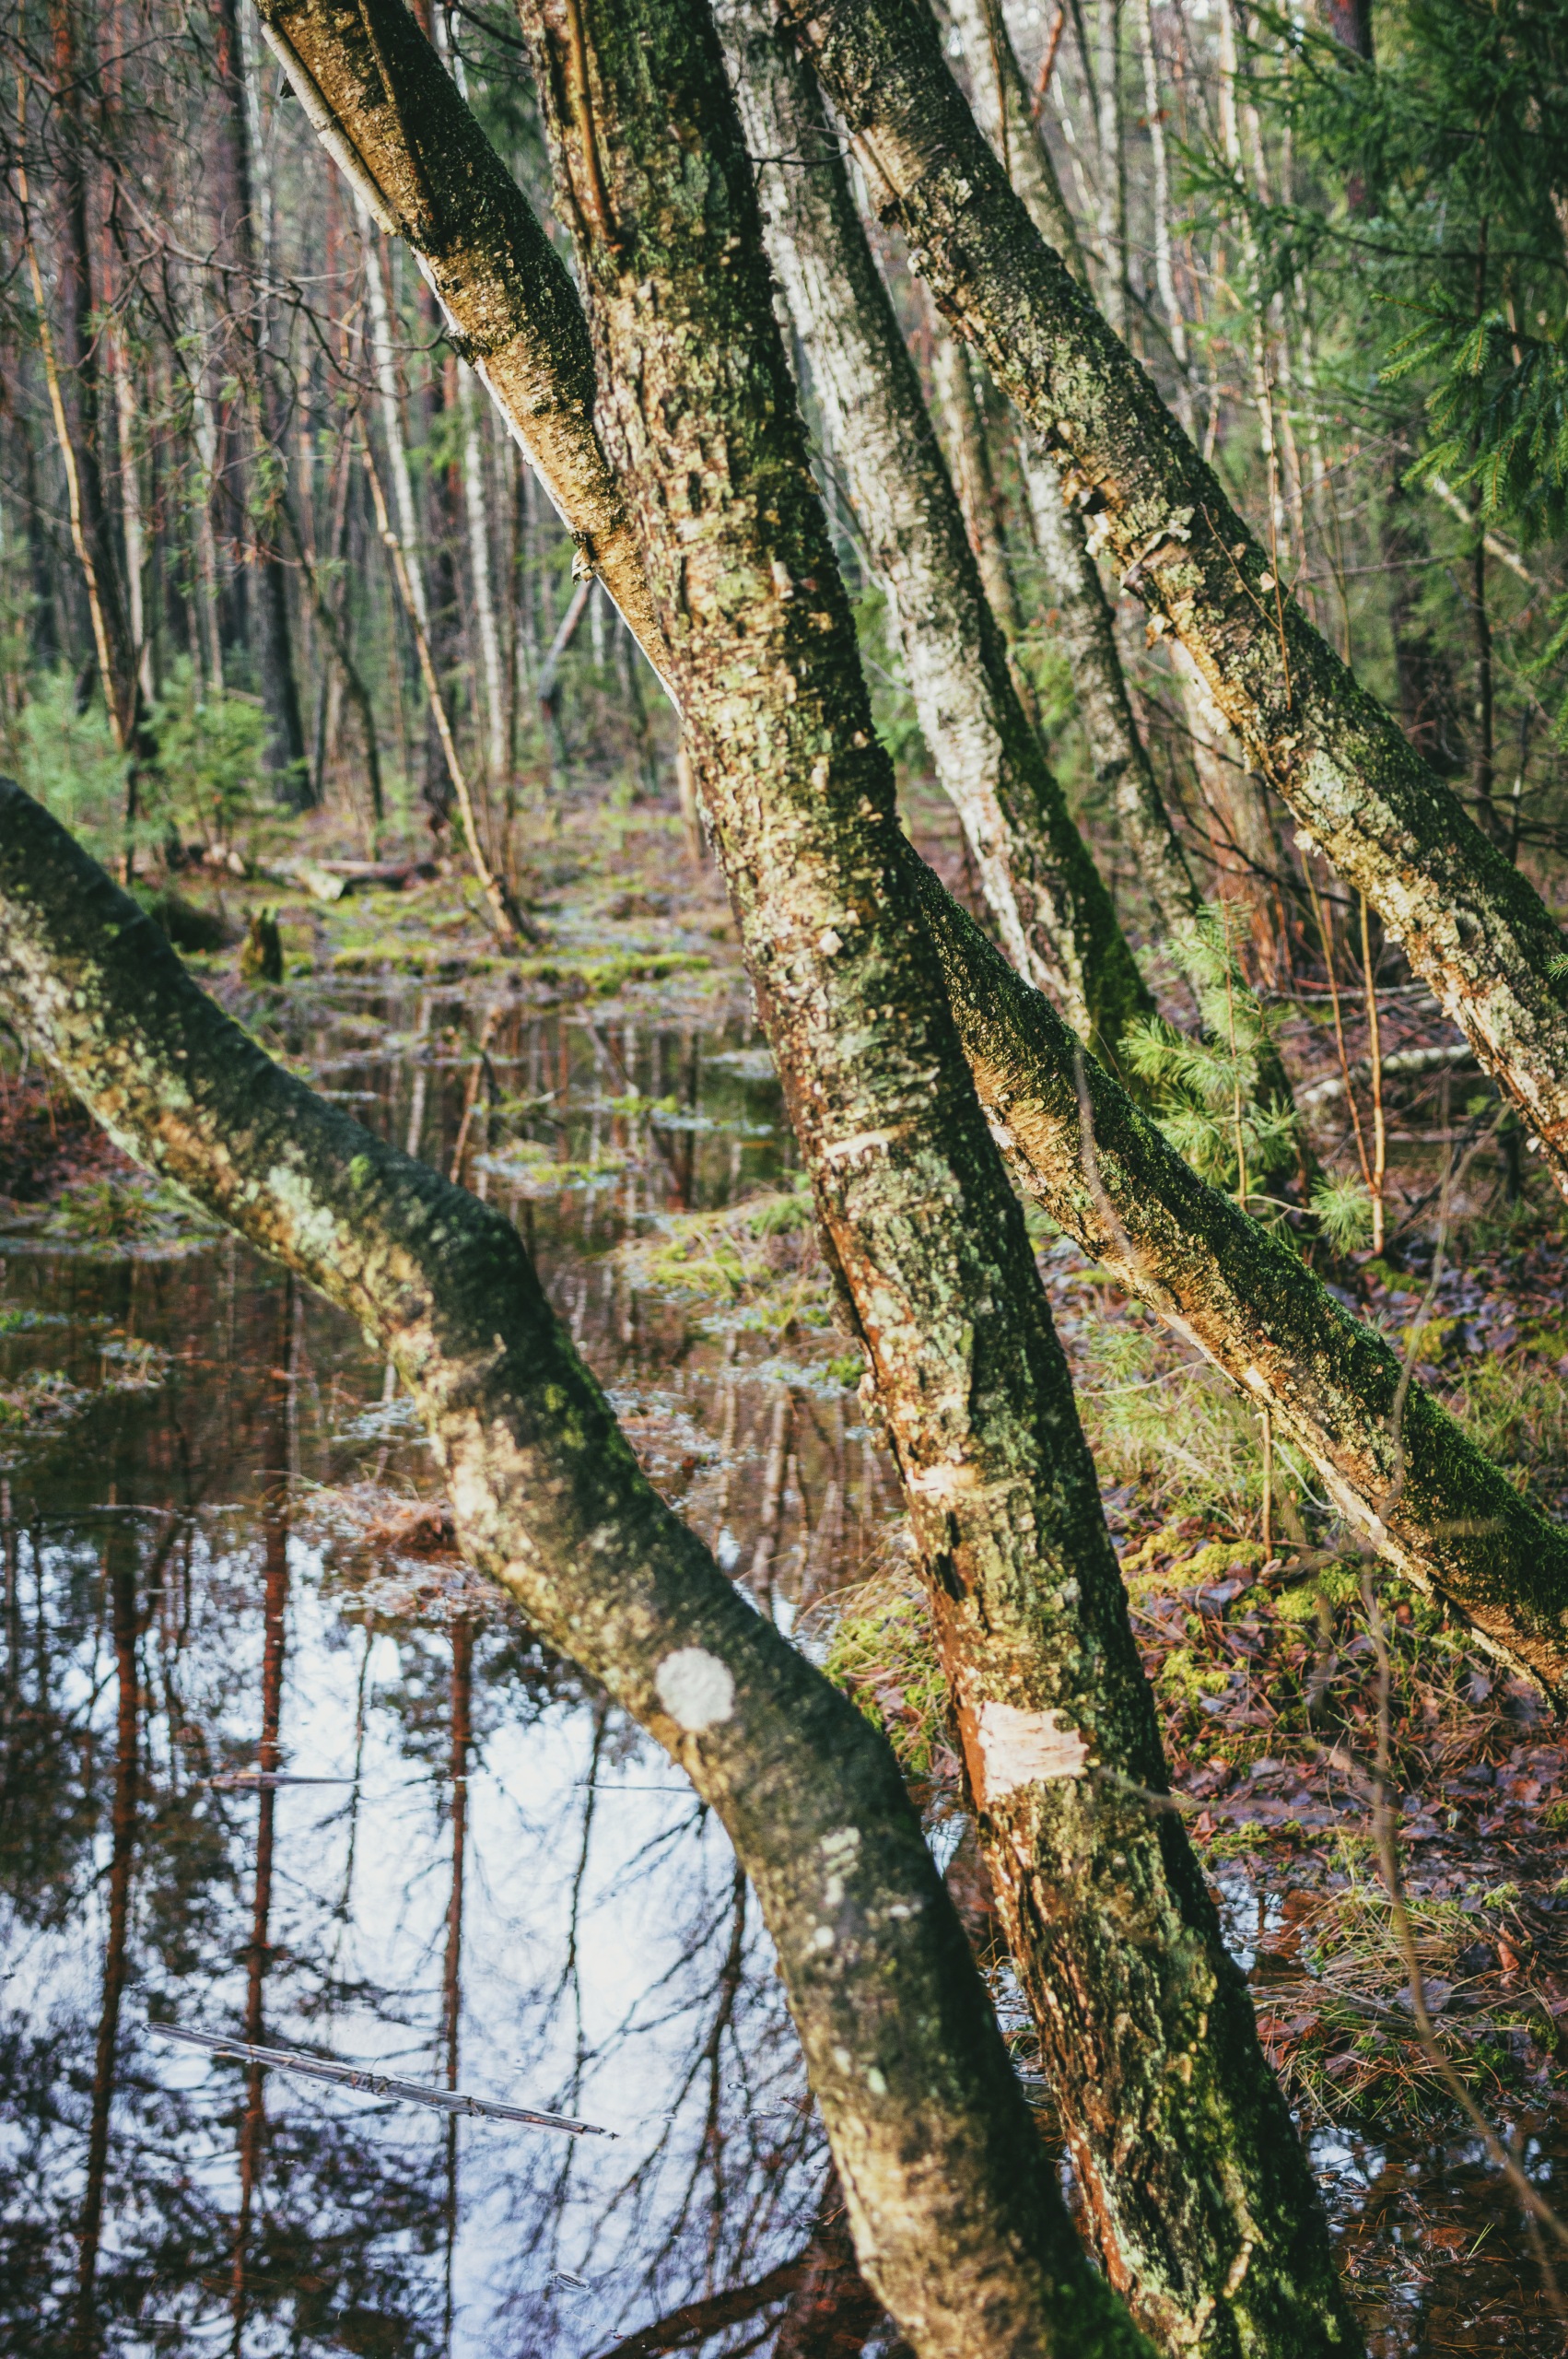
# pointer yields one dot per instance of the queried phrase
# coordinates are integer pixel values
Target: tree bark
(1457, 1528)
(1005, 113)
(1160, 212)
(477, 509)
(1055, 916)
(1085, 628)
(1112, 165)
(975, 483)
(1350, 21)
(958, 2220)
(1409, 1479)
(1470, 925)
(1197, 2185)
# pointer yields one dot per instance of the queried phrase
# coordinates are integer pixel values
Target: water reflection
(226, 1574)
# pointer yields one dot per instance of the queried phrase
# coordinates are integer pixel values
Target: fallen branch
(376, 2085)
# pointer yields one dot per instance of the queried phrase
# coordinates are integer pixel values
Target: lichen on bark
(1469, 922)
(1052, 909)
(1410, 1483)
(958, 2213)
(1203, 2207)
(1509, 1561)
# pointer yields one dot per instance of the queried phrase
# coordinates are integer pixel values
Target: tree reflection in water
(224, 1572)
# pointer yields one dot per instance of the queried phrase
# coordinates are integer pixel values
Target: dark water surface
(216, 1563)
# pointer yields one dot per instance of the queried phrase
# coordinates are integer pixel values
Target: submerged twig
(380, 2084)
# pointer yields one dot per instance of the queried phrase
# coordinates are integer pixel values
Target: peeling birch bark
(1461, 1529)
(1469, 923)
(957, 2214)
(1202, 2206)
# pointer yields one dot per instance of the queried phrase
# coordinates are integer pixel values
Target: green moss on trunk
(1204, 2208)
(1470, 924)
(958, 2208)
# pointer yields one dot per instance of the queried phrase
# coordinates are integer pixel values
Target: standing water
(279, 1768)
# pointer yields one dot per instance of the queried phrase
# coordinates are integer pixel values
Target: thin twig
(380, 2085)
(1379, 1123)
(1387, 1840)
(1047, 63)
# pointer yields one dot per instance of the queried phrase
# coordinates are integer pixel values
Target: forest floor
(1267, 1677)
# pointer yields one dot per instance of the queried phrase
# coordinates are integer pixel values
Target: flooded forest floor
(275, 1765)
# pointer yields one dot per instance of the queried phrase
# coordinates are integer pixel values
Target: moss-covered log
(960, 2223)
(1201, 2202)
(1470, 924)
(1413, 1484)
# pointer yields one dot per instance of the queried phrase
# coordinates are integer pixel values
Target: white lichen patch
(1022, 1748)
(838, 1849)
(696, 1688)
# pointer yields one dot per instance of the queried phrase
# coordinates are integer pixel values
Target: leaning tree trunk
(1085, 629)
(958, 2218)
(1455, 1525)
(1055, 916)
(1408, 1480)
(1469, 923)
(1196, 2183)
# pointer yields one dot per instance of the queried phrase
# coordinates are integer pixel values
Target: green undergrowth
(879, 1651)
(754, 1266)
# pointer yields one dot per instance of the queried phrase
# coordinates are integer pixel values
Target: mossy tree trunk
(958, 2219)
(1052, 909)
(1470, 924)
(1202, 2201)
(1457, 1527)
(1408, 1480)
